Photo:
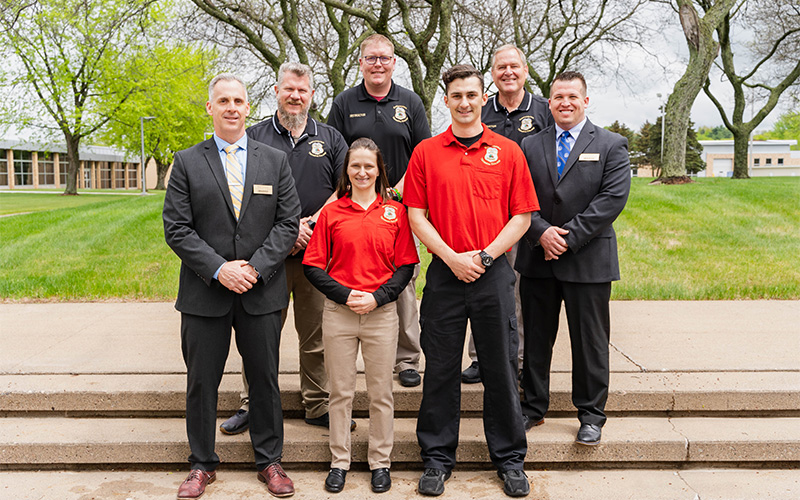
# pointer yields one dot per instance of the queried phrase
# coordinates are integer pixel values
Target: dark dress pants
(589, 332)
(205, 343)
(488, 303)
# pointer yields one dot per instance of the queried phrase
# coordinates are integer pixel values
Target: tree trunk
(161, 173)
(679, 104)
(73, 144)
(741, 138)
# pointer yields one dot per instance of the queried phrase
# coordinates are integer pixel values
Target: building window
(3, 167)
(756, 162)
(23, 168)
(768, 161)
(132, 177)
(119, 175)
(105, 174)
(780, 161)
(87, 176)
(47, 170)
(63, 169)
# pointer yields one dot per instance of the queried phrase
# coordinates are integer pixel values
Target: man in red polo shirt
(470, 198)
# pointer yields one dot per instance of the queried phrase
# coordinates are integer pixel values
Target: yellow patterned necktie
(233, 172)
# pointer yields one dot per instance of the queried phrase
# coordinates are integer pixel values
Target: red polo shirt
(361, 248)
(470, 193)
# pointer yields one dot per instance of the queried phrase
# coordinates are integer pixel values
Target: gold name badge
(262, 188)
(589, 157)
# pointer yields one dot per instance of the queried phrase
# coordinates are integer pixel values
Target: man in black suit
(231, 214)
(582, 177)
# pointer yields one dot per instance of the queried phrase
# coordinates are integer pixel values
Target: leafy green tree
(173, 92)
(718, 133)
(75, 57)
(787, 127)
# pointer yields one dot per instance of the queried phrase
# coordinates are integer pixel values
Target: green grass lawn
(715, 239)
(14, 203)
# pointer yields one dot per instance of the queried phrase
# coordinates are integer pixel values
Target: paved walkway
(652, 336)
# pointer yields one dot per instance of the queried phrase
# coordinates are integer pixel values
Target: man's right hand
(235, 275)
(464, 267)
(553, 243)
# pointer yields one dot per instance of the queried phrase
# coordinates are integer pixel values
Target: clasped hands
(553, 242)
(361, 302)
(237, 276)
(467, 266)
(303, 236)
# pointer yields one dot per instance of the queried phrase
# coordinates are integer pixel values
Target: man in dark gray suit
(231, 214)
(582, 177)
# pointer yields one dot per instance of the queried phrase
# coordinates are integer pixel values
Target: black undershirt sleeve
(339, 293)
(389, 291)
(329, 287)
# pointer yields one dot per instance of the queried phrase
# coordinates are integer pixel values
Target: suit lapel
(586, 138)
(249, 175)
(549, 138)
(218, 170)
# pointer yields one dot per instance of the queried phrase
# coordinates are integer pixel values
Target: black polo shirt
(316, 158)
(532, 116)
(397, 123)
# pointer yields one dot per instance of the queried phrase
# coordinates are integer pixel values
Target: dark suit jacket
(200, 227)
(586, 200)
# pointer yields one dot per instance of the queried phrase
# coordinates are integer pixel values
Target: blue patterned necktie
(563, 151)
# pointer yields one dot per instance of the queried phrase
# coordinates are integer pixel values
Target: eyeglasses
(373, 59)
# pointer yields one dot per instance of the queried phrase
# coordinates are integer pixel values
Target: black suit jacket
(586, 200)
(200, 227)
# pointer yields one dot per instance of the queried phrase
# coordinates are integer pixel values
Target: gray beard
(292, 122)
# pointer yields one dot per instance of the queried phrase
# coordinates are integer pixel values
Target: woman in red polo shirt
(361, 256)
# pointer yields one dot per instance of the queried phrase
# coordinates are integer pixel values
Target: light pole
(663, 112)
(141, 133)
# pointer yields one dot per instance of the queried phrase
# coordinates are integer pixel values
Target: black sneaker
(472, 375)
(515, 483)
(409, 378)
(236, 424)
(432, 482)
(324, 420)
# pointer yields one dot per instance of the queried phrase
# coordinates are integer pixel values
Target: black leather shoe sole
(335, 480)
(381, 480)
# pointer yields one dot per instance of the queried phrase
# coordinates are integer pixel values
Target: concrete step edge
(64, 441)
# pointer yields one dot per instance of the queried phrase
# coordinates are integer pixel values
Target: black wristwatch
(486, 259)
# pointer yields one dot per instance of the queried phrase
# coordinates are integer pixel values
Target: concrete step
(697, 393)
(717, 484)
(64, 442)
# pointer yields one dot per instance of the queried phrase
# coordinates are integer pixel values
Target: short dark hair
(461, 71)
(568, 76)
(344, 187)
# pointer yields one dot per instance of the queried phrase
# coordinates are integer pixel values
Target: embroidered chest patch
(492, 155)
(317, 148)
(400, 114)
(389, 214)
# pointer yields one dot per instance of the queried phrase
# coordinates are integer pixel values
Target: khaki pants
(307, 303)
(511, 255)
(408, 348)
(343, 331)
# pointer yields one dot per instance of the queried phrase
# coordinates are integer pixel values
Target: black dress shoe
(530, 423)
(335, 480)
(431, 482)
(324, 420)
(409, 378)
(381, 480)
(472, 375)
(236, 424)
(588, 435)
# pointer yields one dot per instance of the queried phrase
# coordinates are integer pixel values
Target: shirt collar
(525, 105)
(311, 126)
(222, 143)
(363, 95)
(346, 201)
(448, 138)
(574, 131)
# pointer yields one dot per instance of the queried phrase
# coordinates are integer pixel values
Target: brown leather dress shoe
(195, 485)
(278, 483)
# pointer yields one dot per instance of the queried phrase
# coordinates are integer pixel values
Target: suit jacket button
(556, 200)
(238, 237)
